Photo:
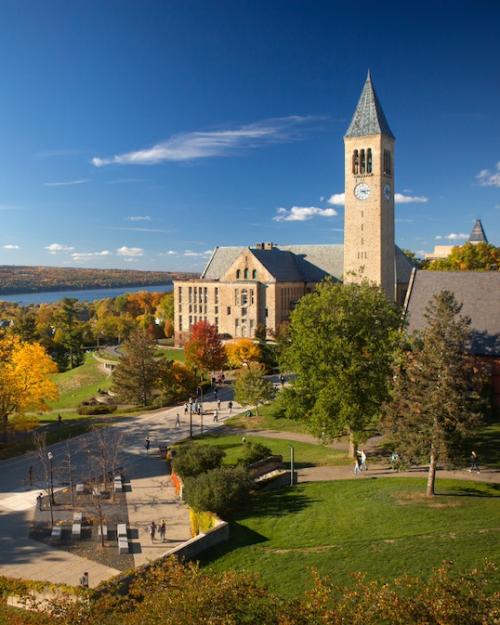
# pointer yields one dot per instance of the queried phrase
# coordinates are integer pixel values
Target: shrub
(191, 460)
(95, 409)
(253, 452)
(219, 490)
(201, 521)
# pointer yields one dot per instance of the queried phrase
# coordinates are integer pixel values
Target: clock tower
(369, 248)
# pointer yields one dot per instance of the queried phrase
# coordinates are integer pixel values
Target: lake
(84, 295)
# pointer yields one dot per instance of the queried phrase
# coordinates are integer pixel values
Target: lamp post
(50, 456)
(291, 465)
(190, 418)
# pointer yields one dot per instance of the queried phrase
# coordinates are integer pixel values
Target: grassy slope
(265, 421)
(383, 527)
(305, 454)
(80, 383)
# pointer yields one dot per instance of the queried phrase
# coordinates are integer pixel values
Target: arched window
(387, 163)
(369, 161)
(254, 274)
(245, 274)
(355, 162)
(238, 274)
(362, 165)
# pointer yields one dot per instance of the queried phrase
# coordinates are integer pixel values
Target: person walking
(363, 466)
(147, 444)
(152, 531)
(230, 406)
(474, 462)
(186, 408)
(357, 464)
(218, 404)
(39, 499)
(177, 420)
(30, 475)
(84, 580)
(216, 416)
(163, 531)
(395, 461)
(282, 380)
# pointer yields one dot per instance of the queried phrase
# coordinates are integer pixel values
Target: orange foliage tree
(25, 383)
(241, 352)
(204, 350)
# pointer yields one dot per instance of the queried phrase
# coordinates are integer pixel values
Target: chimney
(268, 246)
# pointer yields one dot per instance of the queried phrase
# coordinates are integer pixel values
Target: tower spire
(477, 234)
(368, 118)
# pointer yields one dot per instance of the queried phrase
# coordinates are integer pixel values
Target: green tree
(137, 373)
(436, 402)
(413, 258)
(251, 387)
(69, 334)
(218, 490)
(191, 460)
(469, 257)
(165, 309)
(340, 346)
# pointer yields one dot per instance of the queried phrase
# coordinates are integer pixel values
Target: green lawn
(80, 383)
(383, 527)
(305, 454)
(172, 353)
(266, 421)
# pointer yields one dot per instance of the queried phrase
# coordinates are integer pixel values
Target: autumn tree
(204, 350)
(25, 384)
(136, 374)
(469, 257)
(241, 352)
(251, 386)
(176, 381)
(340, 344)
(436, 401)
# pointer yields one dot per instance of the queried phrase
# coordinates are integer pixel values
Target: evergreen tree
(340, 344)
(436, 401)
(137, 373)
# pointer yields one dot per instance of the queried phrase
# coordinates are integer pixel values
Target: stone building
(476, 236)
(242, 288)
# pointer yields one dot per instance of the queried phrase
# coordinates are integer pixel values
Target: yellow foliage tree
(25, 384)
(242, 352)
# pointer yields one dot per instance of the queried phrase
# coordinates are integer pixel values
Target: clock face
(362, 191)
(387, 191)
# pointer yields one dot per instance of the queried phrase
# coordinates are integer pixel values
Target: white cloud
(453, 236)
(168, 253)
(206, 144)
(66, 183)
(487, 178)
(400, 198)
(138, 218)
(338, 199)
(190, 253)
(303, 213)
(83, 256)
(129, 252)
(54, 248)
(11, 246)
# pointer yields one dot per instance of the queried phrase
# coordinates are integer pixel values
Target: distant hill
(24, 279)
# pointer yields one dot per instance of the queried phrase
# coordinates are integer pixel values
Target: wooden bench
(80, 489)
(76, 530)
(77, 517)
(56, 533)
(122, 545)
(104, 531)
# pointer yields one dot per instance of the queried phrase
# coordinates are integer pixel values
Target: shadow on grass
(474, 491)
(239, 536)
(274, 503)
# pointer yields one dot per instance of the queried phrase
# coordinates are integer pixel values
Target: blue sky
(142, 134)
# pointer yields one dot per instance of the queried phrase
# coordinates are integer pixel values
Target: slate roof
(478, 291)
(296, 263)
(477, 234)
(368, 118)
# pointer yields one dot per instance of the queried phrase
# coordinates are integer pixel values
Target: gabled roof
(368, 118)
(478, 291)
(477, 234)
(297, 263)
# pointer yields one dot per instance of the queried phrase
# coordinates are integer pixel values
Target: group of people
(160, 528)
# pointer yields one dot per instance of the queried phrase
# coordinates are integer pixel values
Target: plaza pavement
(151, 497)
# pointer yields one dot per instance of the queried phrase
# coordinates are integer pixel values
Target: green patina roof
(368, 118)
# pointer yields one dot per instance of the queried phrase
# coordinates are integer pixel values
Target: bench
(121, 530)
(122, 545)
(77, 517)
(104, 531)
(76, 530)
(56, 533)
(118, 484)
(80, 489)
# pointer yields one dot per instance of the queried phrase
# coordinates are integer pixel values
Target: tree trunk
(352, 446)
(431, 476)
